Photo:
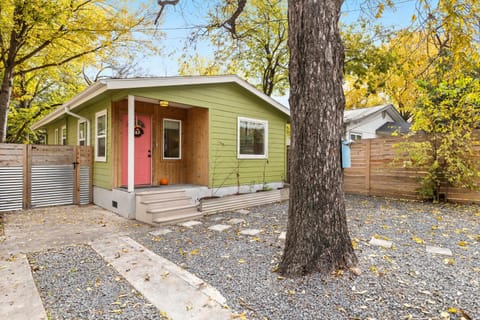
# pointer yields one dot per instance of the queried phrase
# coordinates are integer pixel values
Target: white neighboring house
(373, 122)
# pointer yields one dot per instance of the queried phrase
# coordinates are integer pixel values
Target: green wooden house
(208, 135)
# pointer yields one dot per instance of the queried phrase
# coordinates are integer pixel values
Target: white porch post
(131, 143)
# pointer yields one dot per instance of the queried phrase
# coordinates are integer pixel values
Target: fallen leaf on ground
(354, 244)
(240, 316)
(418, 239)
(452, 310)
(462, 243)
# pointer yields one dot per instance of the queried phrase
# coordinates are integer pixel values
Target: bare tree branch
(231, 23)
(162, 5)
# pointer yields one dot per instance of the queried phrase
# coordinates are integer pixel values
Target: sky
(180, 20)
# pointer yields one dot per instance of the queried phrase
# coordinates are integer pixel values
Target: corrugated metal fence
(39, 175)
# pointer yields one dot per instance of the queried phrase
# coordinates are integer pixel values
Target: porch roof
(105, 85)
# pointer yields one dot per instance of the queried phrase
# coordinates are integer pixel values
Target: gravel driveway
(401, 282)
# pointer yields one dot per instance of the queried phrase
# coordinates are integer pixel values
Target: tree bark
(317, 236)
(5, 94)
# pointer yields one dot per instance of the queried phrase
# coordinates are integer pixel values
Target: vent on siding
(84, 185)
(52, 185)
(11, 188)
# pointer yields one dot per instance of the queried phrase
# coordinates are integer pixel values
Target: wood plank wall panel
(45, 155)
(193, 167)
(11, 155)
(196, 154)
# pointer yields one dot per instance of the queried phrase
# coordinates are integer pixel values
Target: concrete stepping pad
(380, 243)
(235, 221)
(438, 250)
(250, 232)
(219, 227)
(190, 223)
(173, 290)
(160, 232)
(19, 298)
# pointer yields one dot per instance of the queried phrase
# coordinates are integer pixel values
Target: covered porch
(156, 141)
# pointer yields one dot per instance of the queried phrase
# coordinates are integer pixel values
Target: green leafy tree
(37, 35)
(257, 51)
(367, 61)
(447, 115)
(35, 94)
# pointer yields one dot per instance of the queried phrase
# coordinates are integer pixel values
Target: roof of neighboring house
(388, 128)
(357, 115)
(105, 85)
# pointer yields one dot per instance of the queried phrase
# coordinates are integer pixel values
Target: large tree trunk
(317, 236)
(5, 94)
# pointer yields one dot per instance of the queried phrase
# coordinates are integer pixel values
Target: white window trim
(98, 115)
(55, 137)
(163, 140)
(78, 132)
(265, 149)
(61, 135)
(355, 134)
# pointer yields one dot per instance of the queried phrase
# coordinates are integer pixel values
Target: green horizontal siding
(226, 102)
(102, 170)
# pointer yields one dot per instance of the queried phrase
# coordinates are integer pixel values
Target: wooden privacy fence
(373, 172)
(42, 175)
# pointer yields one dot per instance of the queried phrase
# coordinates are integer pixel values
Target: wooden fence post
(27, 176)
(368, 155)
(76, 174)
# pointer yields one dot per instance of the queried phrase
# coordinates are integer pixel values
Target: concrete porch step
(177, 209)
(156, 192)
(171, 219)
(165, 206)
(171, 202)
(160, 195)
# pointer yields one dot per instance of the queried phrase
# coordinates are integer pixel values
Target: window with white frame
(56, 137)
(64, 135)
(82, 132)
(252, 138)
(172, 139)
(101, 136)
(355, 136)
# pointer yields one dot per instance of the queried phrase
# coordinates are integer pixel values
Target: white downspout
(67, 111)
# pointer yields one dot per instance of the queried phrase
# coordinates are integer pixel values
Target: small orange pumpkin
(164, 181)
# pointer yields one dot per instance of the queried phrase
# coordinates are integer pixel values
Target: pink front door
(143, 148)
